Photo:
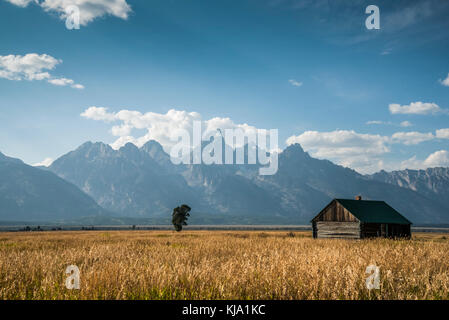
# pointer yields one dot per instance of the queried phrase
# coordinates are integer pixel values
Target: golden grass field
(219, 265)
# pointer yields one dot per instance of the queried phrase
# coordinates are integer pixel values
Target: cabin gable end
(334, 211)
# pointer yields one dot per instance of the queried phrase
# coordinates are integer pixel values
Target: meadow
(219, 265)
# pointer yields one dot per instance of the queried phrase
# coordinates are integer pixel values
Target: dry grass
(219, 265)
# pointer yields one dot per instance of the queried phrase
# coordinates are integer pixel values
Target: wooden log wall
(333, 229)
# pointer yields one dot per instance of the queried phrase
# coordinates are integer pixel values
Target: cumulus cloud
(33, 66)
(445, 82)
(45, 163)
(98, 113)
(346, 147)
(89, 9)
(28, 67)
(164, 128)
(340, 142)
(411, 138)
(411, 163)
(360, 151)
(295, 83)
(364, 152)
(420, 108)
(442, 133)
(438, 159)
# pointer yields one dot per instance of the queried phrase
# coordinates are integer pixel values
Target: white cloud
(295, 83)
(89, 9)
(65, 82)
(20, 3)
(346, 147)
(416, 108)
(389, 123)
(411, 138)
(340, 142)
(411, 163)
(445, 82)
(376, 122)
(98, 113)
(406, 124)
(363, 152)
(46, 162)
(61, 81)
(438, 159)
(77, 86)
(32, 66)
(28, 67)
(442, 133)
(164, 128)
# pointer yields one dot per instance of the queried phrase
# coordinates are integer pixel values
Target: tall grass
(219, 265)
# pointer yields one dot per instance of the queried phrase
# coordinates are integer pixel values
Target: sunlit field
(219, 265)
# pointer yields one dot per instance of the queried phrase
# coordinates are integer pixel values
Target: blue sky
(367, 99)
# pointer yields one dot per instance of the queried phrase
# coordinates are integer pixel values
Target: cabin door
(384, 230)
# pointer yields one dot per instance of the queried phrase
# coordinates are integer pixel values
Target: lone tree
(180, 216)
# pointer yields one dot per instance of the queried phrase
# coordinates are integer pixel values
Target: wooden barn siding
(334, 229)
(336, 212)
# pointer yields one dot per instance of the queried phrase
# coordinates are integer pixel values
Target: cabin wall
(336, 212)
(399, 230)
(385, 230)
(314, 230)
(336, 229)
(371, 230)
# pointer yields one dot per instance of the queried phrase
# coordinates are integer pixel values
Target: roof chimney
(358, 197)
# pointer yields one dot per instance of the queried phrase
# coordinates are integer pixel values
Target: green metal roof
(373, 211)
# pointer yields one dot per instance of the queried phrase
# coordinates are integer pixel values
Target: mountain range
(432, 182)
(143, 183)
(31, 194)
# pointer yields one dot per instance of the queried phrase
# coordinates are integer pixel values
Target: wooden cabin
(358, 219)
